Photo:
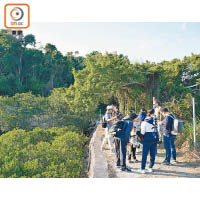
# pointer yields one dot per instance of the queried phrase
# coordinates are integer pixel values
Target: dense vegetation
(40, 89)
(55, 152)
(111, 77)
(24, 68)
(27, 111)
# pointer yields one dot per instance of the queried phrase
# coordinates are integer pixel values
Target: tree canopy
(110, 76)
(25, 68)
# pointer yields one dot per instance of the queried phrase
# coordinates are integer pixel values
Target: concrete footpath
(103, 164)
(98, 162)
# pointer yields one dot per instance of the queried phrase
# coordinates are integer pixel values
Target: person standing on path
(121, 140)
(169, 139)
(131, 147)
(108, 137)
(141, 117)
(158, 118)
(118, 131)
(116, 112)
(150, 138)
(130, 120)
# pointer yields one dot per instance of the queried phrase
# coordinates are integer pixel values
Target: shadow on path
(175, 173)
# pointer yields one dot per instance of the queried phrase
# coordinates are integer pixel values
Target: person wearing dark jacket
(130, 120)
(124, 127)
(118, 130)
(169, 139)
(150, 138)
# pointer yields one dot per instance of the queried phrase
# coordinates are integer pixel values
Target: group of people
(147, 129)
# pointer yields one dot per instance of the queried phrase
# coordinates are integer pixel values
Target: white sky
(140, 41)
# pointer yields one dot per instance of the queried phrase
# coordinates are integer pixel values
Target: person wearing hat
(109, 119)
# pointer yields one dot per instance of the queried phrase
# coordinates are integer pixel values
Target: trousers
(170, 147)
(108, 138)
(120, 151)
(131, 151)
(148, 147)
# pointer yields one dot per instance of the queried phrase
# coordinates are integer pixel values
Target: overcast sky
(139, 41)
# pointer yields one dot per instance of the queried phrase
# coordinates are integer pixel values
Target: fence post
(135, 106)
(194, 122)
(100, 115)
(154, 100)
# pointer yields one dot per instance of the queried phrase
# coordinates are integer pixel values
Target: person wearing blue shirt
(129, 120)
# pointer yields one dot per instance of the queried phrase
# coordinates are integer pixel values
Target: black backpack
(104, 123)
(117, 128)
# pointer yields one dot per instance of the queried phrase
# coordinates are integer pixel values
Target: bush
(60, 114)
(181, 107)
(52, 153)
(22, 111)
(188, 134)
(27, 111)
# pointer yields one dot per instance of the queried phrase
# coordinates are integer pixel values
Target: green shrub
(188, 134)
(56, 152)
(22, 111)
(27, 111)
(181, 107)
(60, 114)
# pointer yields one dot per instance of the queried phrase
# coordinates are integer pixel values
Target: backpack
(117, 128)
(177, 126)
(152, 136)
(104, 123)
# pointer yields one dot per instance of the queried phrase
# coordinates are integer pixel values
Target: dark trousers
(170, 147)
(152, 147)
(120, 151)
(131, 152)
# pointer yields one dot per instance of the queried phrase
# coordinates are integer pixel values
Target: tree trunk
(49, 85)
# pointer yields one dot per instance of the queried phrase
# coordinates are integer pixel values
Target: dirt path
(183, 168)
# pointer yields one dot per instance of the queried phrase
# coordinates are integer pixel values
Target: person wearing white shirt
(108, 137)
(149, 136)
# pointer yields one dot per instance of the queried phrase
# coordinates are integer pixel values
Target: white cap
(109, 108)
